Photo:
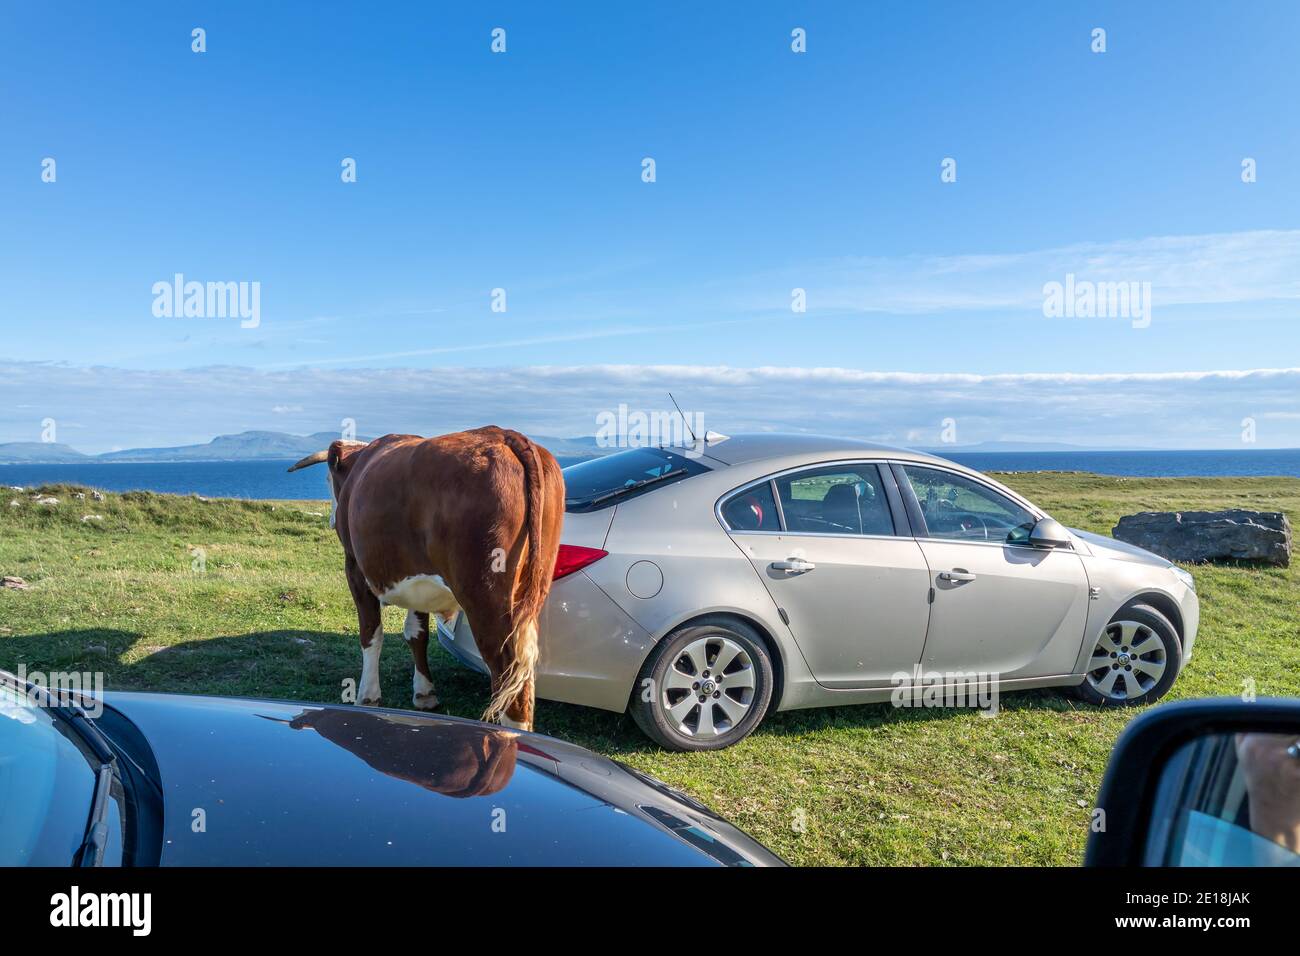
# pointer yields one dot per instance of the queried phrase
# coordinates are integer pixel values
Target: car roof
(742, 449)
(772, 451)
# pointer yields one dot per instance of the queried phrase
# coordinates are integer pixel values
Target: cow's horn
(315, 458)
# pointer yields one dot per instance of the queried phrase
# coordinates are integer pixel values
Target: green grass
(269, 614)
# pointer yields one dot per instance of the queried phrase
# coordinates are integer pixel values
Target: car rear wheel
(706, 686)
(1135, 660)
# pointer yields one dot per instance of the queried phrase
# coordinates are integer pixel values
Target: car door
(853, 591)
(1000, 605)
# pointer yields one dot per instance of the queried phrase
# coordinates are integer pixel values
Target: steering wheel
(966, 522)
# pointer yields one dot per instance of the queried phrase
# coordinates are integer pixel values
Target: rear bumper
(464, 651)
(590, 653)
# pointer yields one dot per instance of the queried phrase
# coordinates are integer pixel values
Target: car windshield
(602, 481)
(47, 785)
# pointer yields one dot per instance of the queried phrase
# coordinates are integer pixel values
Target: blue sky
(774, 171)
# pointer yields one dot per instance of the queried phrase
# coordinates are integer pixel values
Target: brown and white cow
(468, 521)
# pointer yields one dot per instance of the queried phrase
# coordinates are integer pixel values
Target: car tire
(678, 701)
(1144, 654)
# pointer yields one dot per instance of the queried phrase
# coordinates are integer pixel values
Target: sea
(271, 479)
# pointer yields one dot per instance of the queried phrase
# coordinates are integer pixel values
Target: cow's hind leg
(371, 622)
(512, 666)
(416, 633)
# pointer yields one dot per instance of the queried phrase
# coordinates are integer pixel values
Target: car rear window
(602, 482)
(752, 509)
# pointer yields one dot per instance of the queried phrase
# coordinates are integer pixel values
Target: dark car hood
(278, 783)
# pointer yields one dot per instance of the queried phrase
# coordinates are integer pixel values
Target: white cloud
(1189, 409)
(1209, 269)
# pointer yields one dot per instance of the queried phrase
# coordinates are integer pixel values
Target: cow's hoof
(428, 701)
(377, 702)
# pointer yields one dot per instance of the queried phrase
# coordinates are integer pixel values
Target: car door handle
(956, 576)
(792, 566)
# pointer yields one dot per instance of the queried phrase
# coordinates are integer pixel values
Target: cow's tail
(519, 673)
(532, 582)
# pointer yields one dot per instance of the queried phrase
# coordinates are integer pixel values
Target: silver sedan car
(702, 587)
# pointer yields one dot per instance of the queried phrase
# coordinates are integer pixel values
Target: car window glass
(47, 785)
(1227, 799)
(753, 509)
(961, 509)
(601, 482)
(835, 499)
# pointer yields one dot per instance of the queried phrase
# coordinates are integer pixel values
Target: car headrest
(841, 498)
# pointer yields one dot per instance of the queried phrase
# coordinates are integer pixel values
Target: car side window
(835, 499)
(752, 509)
(961, 509)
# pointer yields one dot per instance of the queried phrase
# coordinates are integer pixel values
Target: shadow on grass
(297, 664)
(313, 666)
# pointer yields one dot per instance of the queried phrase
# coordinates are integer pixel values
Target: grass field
(248, 598)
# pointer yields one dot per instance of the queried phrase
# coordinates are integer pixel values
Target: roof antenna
(684, 421)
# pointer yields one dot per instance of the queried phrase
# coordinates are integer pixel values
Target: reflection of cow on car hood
(467, 521)
(451, 758)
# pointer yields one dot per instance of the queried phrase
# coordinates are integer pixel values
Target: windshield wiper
(653, 479)
(96, 839)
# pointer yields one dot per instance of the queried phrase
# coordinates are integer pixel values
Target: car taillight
(573, 557)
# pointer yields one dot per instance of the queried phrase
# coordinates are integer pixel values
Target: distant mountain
(38, 452)
(246, 446)
(572, 447)
(264, 445)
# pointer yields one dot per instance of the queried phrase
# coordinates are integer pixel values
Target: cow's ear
(340, 454)
(338, 449)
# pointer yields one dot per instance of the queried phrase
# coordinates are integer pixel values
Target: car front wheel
(704, 687)
(1134, 661)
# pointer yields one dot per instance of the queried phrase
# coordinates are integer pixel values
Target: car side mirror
(1049, 533)
(1202, 783)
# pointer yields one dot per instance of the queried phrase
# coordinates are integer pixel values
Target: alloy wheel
(709, 688)
(1128, 661)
